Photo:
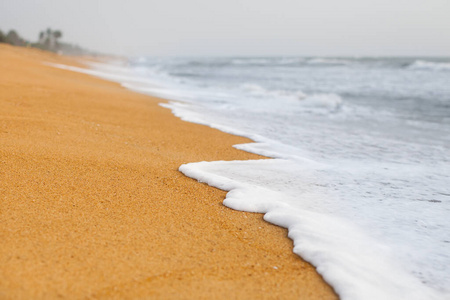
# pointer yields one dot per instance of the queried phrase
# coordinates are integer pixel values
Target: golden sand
(92, 204)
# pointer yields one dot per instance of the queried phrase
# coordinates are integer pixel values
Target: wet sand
(92, 204)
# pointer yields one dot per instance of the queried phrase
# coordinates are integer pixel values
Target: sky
(239, 27)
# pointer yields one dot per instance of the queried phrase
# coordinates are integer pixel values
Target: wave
(330, 102)
(283, 61)
(250, 61)
(257, 90)
(327, 61)
(290, 61)
(429, 65)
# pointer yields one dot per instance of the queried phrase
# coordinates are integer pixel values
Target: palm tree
(41, 37)
(57, 34)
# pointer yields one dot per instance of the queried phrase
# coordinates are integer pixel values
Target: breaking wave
(429, 65)
(330, 102)
(328, 61)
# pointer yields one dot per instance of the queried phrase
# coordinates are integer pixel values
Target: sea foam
(329, 102)
(357, 266)
(429, 65)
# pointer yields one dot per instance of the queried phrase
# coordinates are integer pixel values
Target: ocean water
(361, 148)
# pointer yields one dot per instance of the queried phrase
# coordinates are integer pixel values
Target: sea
(360, 148)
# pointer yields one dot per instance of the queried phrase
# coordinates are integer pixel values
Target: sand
(92, 204)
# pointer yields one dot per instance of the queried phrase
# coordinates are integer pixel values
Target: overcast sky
(239, 27)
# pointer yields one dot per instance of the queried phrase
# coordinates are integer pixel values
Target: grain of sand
(92, 204)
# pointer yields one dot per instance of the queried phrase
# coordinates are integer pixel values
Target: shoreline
(93, 204)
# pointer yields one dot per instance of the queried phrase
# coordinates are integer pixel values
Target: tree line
(12, 38)
(47, 40)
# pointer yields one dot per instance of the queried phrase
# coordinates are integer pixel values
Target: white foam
(327, 61)
(250, 61)
(294, 193)
(342, 253)
(257, 90)
(428, 65)
(331, 102)
(328, 102)
(264, 61)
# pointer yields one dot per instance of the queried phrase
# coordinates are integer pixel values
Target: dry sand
(92, 204)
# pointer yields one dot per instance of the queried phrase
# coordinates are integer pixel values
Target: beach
(93, 205)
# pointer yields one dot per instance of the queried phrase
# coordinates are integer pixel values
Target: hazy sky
(239, 27)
